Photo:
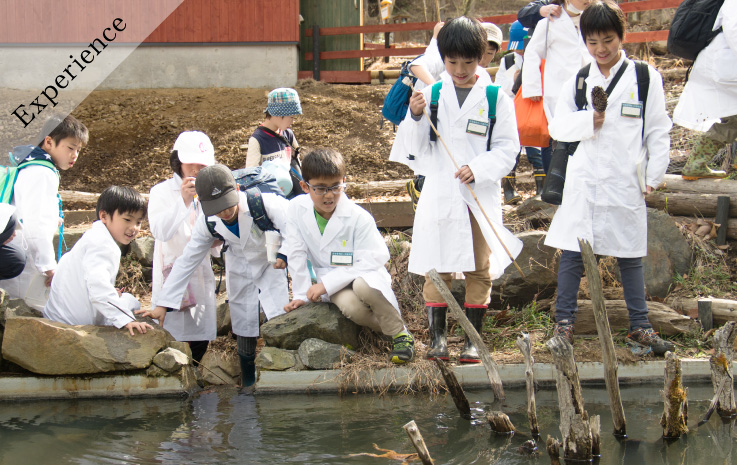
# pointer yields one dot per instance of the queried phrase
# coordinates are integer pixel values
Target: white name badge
(477, 127)
(341, 258)
(632, 110)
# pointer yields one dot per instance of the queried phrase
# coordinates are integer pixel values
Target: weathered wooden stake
(455, 309)
(609, 357)
(553, 447)
(577, 429)
(675, 397)
(525, 346)
(721, 368)
(705, 315)
(455, 389)
(714, 401)
(500, 423)
(419, 444)
(722, 218)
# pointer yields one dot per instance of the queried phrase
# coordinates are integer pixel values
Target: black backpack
(691, 28)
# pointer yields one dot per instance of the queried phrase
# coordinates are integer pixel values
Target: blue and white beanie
(283, 102)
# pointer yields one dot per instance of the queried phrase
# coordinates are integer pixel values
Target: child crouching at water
(337, 254)
(83, 290)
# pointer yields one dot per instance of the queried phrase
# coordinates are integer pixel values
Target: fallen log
(665, 320)
(687, 204)
(675, 183)
(721, 368)
(722, 310)
(525, 346)
(675, 400)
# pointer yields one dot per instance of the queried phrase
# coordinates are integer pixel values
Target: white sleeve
(35, 197)
(569, 124)
(657, 127)
(276, 208)
(415, 135)
(165, 217)
(98, 271)
(532, 84)
(493, 165)
(253, 156)
(297, 255)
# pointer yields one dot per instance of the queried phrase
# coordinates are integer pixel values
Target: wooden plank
(645, 36)
(342, 77)
(383, 52)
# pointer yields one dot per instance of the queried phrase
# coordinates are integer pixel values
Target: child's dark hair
(323, 163)
(462, 37)
(602, 16)
(175, 162)
(59, 127)
(119, 199)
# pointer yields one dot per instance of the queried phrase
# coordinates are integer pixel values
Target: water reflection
(223, 426)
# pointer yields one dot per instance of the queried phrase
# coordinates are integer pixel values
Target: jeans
(534, 157)
(547, 155)
(570, 271)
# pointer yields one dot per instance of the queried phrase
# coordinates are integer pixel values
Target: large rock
(321, 321)
(50, 348)
(18, 308)
(272, 358)
(219, 367)
(538, 262)
(142, 249)
(171, 360)
(668, 253)
(320, 355)
(223, 315)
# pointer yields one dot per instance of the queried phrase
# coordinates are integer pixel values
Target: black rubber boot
(510, 194)
(247, 354)
(438, 333)
(476, 316)
(539, 175)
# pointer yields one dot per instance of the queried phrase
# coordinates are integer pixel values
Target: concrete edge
(472, 376)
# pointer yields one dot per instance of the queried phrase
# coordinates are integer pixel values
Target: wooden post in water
(455, 309)
(525, 346)
(675, 397)
(455, 389)
(553, 448)
(500, 423)
(580, 434)
(721, 368)
(419, 444)
(609, 357)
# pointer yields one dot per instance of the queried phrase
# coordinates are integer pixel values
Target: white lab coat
(505, 76)
(560, 44)
(249, 276)
(83, 289)
(35, 198)
(442, 236)
(351, 229)
(171, 225)
(711, 89)
(603, 199)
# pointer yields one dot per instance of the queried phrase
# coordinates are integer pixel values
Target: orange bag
(532, 123)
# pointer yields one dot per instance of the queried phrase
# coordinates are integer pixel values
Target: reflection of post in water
(722, 436)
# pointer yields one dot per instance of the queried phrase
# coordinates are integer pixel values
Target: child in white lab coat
(36, 197)
(345, 251)
(616, 164)
(173, 208)
(250, 278)
(83, 289)
(450, 232)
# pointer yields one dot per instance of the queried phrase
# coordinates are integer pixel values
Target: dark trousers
(547, 154)
(570, 271)
(12, 261)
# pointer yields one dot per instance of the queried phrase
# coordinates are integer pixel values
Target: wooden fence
(364, 77)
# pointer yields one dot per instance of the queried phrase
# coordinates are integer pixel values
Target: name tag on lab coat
(341, 258)
(632, 110)
(477, 127)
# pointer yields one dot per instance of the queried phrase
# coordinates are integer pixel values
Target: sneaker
(648, 337)
(403, 349)
(565, 331)
(414, 194)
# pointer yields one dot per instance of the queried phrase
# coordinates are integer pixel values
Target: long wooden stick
(478, 202)
(609, 357)
(455, 389)
(525, 346)
(473, 335)
(419, 444)
(714, 401)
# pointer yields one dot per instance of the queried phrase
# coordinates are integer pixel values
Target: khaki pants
(367, 306)
(478, 282)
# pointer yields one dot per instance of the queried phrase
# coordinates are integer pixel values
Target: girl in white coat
(559, 43)
(616, 164)
(709, 100)
(173, 209)
(450, 232)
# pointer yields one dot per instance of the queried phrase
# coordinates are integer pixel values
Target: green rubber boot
(697, 164)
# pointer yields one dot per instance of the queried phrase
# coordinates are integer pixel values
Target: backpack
(508, 60)
(691, 28)
(396, 101)
(9, 174)
(492, 92)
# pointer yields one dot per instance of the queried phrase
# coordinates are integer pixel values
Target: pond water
(225, 427)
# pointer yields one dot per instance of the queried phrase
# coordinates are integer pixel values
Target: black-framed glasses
(322, 190)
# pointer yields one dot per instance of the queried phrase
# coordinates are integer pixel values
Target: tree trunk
(721, 368)
(687, 204)
(525, 346)
(675, 397)
(675, 183)
(609, 357)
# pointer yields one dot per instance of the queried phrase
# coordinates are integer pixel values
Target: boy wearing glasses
(337, 255)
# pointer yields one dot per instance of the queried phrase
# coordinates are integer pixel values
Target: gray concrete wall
(184, 66)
